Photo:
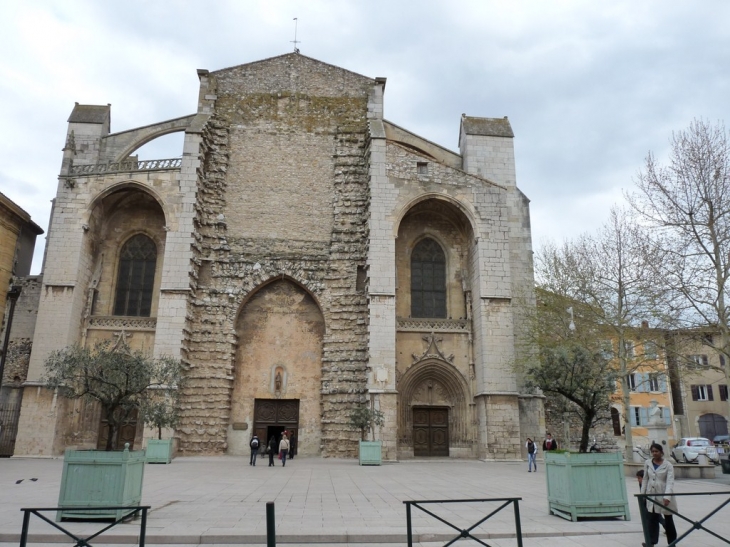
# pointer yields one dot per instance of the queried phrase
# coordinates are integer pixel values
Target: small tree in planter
(123, 381)
(160, 410)
(364, 418)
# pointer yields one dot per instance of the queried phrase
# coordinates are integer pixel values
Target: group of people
(548, 444)
(285, 449)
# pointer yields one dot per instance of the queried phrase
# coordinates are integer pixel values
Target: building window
(631, 381)
(723, 392)
(654, 382)
(722, 360)
(636, 415)
(702, 393)
(428, 280)
(422, 168)
(699, 360)
(136, 277)
(629, 349)
(650, 350)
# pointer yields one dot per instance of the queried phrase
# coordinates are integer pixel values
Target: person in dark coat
(272, 450)
(549, 443)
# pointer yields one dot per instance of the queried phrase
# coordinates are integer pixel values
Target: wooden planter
(159, 450)
(94, 478)
(371, 452)
(586, 485)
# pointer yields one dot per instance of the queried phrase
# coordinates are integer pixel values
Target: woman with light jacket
(659, 479)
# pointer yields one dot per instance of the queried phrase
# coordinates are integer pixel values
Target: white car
(689, 449)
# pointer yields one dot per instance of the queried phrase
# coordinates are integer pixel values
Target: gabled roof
(295, 57)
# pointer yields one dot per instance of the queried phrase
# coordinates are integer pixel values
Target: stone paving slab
(222, 501)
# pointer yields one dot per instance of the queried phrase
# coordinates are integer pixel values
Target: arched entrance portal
(434, 411)
(278, 369)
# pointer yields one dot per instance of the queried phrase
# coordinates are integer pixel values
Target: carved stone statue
(655, 414)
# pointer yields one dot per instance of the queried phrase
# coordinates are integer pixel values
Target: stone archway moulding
(457, 391)
(126, 185)
(458, 205)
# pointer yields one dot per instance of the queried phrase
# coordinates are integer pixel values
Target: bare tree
(613, 278)
(688, 202)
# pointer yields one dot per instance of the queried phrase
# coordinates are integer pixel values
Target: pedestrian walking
(283, 449)
(272, 450)
(292, 445)
(549, 443)
(640, 478)
(531, 454)
(254, 444)
(659, 479)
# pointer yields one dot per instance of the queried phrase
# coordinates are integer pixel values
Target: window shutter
(643, 416)
(695, 393)
(667, 416)
(709, 393)
(641, 381)
(663, 383)
(632, 415)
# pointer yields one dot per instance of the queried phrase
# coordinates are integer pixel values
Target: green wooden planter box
(94, 478)
(371, 452)
(586, 485)
(159, 450)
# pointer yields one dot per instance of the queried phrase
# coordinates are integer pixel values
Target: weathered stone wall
(299, 213)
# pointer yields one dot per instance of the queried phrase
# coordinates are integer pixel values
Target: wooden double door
(274, 416)
(430, 431)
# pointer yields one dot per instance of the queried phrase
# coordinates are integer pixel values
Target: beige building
(19, 300)
(303, 256)
(700, 386)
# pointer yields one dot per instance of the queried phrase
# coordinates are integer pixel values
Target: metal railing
(466, 532)
(696, 524)
(125, 166)
(84, 542)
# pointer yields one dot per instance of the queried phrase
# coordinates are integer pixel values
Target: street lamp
(571, 325)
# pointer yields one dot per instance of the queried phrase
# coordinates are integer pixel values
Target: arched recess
(449, 226)
(127, 185)
(711, 425)
(115, 216)
(278, 367)
(447, 387)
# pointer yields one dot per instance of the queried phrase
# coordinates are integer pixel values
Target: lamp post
(566, 415)
(13, 295)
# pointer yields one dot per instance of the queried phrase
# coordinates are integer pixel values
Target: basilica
(302, 256)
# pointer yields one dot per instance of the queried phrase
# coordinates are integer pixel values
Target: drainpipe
(13, 295)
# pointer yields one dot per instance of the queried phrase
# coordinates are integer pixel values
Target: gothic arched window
(428, 280)
(136, 277)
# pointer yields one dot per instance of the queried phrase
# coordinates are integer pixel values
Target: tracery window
(136, 277)
(428, 280)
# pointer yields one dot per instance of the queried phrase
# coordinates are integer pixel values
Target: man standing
(549, 443)
(254, 444)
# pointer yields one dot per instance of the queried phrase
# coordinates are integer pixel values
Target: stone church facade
(304, 256)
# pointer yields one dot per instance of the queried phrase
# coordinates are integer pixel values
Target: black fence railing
(464, 533)
(134, 512)
(697, 525)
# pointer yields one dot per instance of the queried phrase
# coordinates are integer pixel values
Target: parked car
(721, 439)
(688, 449)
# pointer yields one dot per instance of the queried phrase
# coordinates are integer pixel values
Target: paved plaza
(222, 500)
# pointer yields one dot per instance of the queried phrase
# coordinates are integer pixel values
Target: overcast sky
(589, 87)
